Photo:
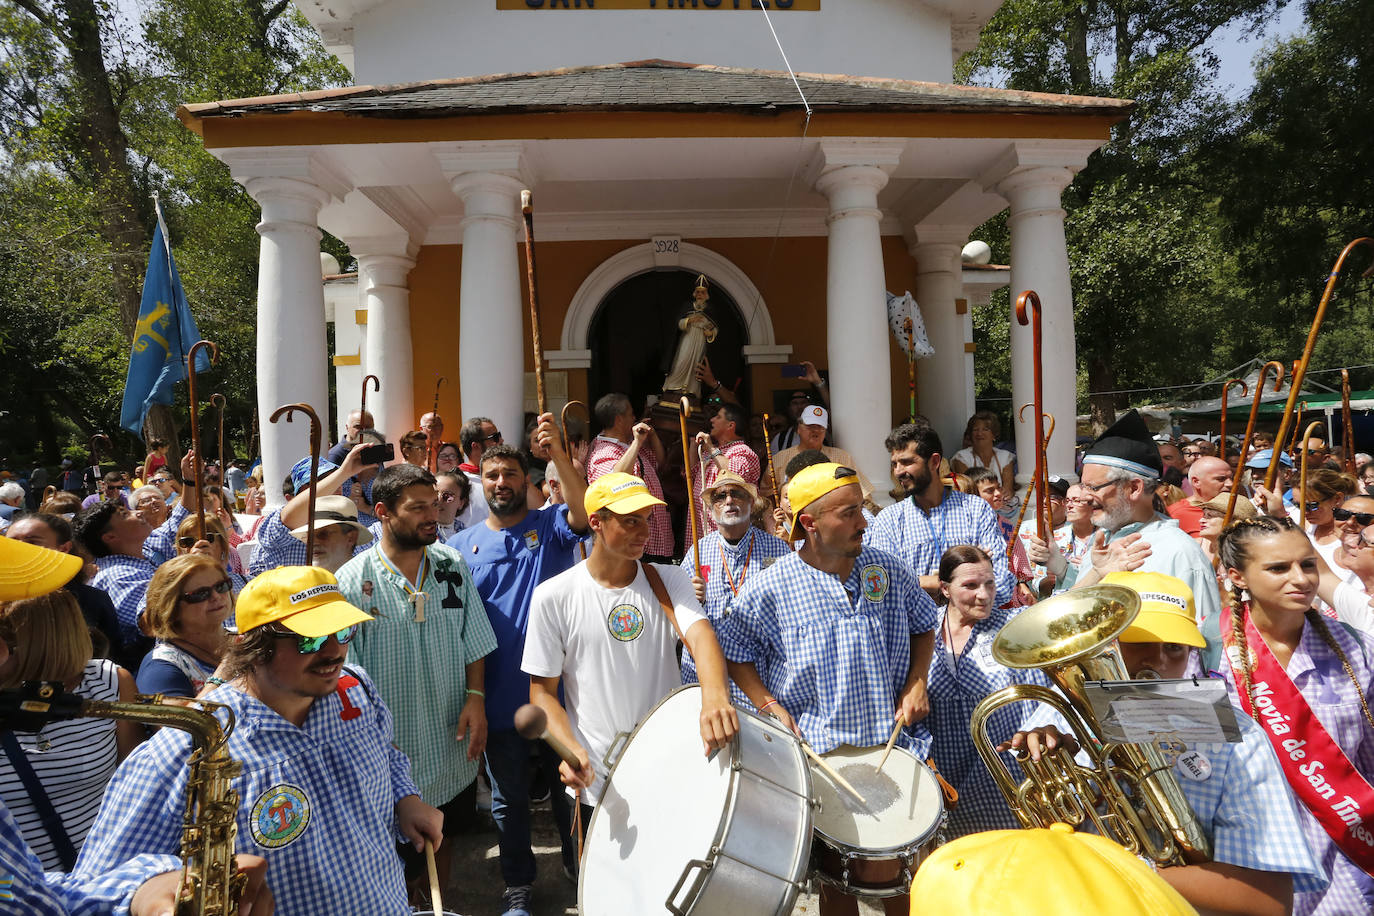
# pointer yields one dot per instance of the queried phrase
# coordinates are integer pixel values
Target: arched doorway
(634, 335)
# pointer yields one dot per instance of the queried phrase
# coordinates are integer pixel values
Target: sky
(1237, 52)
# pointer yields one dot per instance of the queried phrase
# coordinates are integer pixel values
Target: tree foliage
(89, 134)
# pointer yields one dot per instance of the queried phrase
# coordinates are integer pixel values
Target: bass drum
(681, 833)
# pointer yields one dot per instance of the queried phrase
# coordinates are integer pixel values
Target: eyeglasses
(202, 595)
(720, 496)
(1098, 488)
(494, 437)
(1076, 501)
(1344, 515)
(307, 645)
(1312, 505)
(190, 540)
(1193, 453)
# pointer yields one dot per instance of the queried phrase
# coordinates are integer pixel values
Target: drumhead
(902, 802)
(663, 807)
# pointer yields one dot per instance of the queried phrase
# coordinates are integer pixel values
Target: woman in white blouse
(982, 432)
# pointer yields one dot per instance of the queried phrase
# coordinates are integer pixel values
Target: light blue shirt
(921, 538)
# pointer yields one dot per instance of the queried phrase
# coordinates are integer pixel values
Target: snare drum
(676, 831)
(873, 849)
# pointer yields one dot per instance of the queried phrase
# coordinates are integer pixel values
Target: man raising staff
(634, 448)
(729, 556)
(426, 646)
(606, 631)
(834, 638)
(510, 553)
(723, 450)
(932, 519)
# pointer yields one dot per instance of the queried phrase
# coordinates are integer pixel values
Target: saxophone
(210, 884)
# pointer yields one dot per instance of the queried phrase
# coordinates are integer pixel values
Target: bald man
(1209, 477)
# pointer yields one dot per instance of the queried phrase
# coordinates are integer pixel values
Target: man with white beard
(338, 533)
(1120, 471)
(729, 555)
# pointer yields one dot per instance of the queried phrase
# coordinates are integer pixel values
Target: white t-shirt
(614, 649)
(1352, 607)
(477, 510)
(1000, 459)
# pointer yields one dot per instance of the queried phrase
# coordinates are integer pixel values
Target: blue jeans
(509, 767)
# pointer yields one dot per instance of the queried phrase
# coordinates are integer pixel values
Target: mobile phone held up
(794, 370)
(376, 454)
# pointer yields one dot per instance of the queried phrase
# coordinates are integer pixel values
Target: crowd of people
(373, 648)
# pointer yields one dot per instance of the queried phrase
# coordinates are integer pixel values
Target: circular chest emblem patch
(625, 622)
(1195, 766)
(875, 582)
(280, 816)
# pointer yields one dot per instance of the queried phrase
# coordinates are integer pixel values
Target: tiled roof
(658, 85)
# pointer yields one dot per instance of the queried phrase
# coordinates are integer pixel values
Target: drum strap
(951, 793)
(661, 593)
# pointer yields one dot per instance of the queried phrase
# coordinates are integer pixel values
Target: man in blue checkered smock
(932, 519)
(837, 637)
(115, 535)
(730, 555)
(276, 545)
(323, 792)
(1260, 856)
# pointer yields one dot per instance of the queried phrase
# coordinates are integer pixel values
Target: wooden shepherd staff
(316, 436)
(527, 208)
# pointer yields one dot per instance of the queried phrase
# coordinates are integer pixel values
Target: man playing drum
(606, 631)
(834, 638)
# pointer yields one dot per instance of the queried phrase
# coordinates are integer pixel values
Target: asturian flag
(163, 336)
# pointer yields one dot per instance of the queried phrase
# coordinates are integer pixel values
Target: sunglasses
(202, 595)
(307, 645)
(1344, 515)
(190, 540)
(494, 437)
(720, 496)
(1312, 505)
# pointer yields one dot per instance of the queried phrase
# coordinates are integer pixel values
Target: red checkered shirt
(602, 459)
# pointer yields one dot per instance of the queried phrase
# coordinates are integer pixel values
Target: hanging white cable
(786, 63)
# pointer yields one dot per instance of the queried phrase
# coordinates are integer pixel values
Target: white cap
(816, 415)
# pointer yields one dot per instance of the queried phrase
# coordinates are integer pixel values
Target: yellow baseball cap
(1047, 871)
(304, 599)
(27, 570)
(1166, 609)
(621, 493)
(811, 483)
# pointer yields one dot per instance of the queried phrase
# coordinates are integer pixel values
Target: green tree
(1148, 268)
(87, 108)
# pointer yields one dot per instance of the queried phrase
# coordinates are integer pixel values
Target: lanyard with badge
(744, 570)
(417, 597)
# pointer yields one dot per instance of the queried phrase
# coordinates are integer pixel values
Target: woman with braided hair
(1307, 681)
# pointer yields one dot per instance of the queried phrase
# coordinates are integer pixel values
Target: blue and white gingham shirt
(26, 890)
(318, 802)
(834, 654)
(276, 546)
(921, 538)
(125, 579)
(161, 545)
(956, 686)
(762, 550)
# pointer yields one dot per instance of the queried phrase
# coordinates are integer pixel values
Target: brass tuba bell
(1129, 793)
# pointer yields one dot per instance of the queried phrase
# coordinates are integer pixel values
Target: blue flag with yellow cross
(163, 336)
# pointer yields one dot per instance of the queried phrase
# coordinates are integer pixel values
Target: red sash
(1319, 772)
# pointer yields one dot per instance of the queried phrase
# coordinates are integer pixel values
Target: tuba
(210, 884)
(1129, 793)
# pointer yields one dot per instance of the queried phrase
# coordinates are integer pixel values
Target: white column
(292, 345)
(856, 312)
(388, 352)
(1040, 261)
(491, 335)
(944, 394)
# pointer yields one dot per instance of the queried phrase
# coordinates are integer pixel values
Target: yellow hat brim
(325, 619)
(1163, 626)
(27, 571)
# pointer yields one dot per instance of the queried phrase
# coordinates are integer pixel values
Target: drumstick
(433, 879)
(896, 730)
(828, 770)
(533, 724)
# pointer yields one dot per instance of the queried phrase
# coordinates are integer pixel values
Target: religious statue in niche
(697, 331)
